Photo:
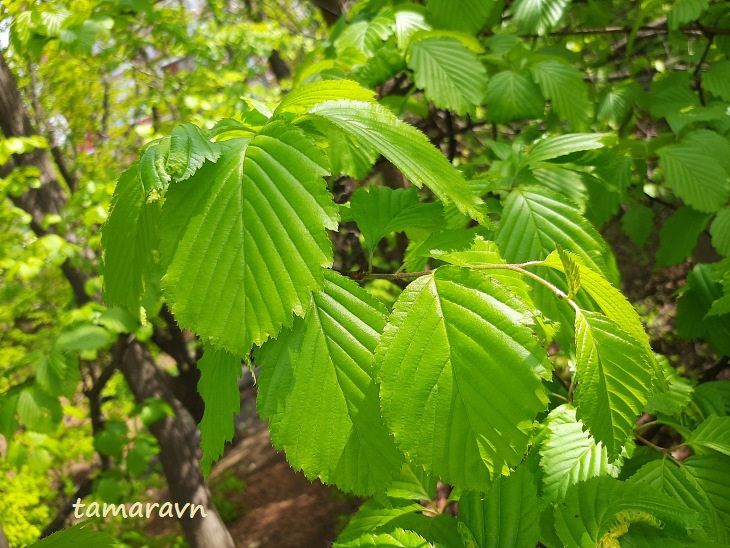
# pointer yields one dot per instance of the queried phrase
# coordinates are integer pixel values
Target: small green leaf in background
(678, 236)
(218, 386)
(696, 176)
(713, 433)
(693, 307)
(513, 95)
(84, 337)
(378, 211)
(717, 80)
(562, 84)
(638, 224)
(720, 232)
(466, 15)
(451, 75)
(539, 16)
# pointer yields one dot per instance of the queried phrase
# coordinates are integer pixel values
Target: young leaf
(664, 476)
(569, 454)
(572, 273)
(455, 355)
(695, 176)
(244, 239)
(614, 378)
(599, 510)
(317, 391)
(189, 148)
(407, 148)
(513, 96)
(451, 75)
(609, 299)
(129, 239)
(562, 84)
(413, 483)
(678, 236)
(218, 386)
(374, 516)
(508, 515)
(713, 433)
(379, 211)
(367, 36)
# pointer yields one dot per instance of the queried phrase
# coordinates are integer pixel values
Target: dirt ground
(263, 501)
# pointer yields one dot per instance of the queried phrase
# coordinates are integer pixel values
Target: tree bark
(3, 540)
(176, 435)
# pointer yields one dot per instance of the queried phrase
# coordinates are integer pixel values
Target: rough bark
(3, 540)
(176, 435)
(331, 10)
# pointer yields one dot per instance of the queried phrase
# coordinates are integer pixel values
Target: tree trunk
(176, 435)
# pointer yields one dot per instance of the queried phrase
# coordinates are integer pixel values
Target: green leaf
(664, 476)
(302, 99)
(675, 398)
(569, 454)
(54, 372)
(617, 104)
(407, 23)
(713, 433)
(638, 224)
(600, 510)
(413, 483)
(562, 84)
(507, 516)
(398, 538)
(317, 390)
(572, 273)
(534, 222)
(347, 156)
(720, 232)
(693, 308)
(539, 16)
(614, 377)
(84, 337)
(407, 148)
(367, 36)
(678, 236)
(513, 96)
(467, 15)
(695, 176)
(374, 516)
(609, 299)
(79, 536)
(189, 149)
(684, 11)
(218, 386)
(129, 239)
(244, 238)
(555, 147)
(710, 473)
(713, 397)
(452, 76)
(378, 211)
(717, 80)
(456, 352)
(38, 411)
